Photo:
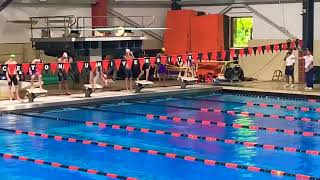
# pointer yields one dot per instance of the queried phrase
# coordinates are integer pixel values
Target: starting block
(142, 84)
(33, 93)
(187, 81)
(88, 89)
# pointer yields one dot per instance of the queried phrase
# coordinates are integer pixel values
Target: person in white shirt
(290, 60)
(308, 61)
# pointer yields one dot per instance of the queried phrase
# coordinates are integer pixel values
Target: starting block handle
(31, 96)
(184, 84)
(138, 87)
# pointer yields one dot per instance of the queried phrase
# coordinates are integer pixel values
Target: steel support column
(176, 5)
(99, 9)
(308, 23)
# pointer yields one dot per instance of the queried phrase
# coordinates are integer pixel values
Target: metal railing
(142, 20)
(48, 23)
(61, 26)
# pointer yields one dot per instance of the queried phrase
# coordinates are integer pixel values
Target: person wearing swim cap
(34, 73)
(128, 57)
(161, 69)
(12, 78)
(62, 75)
(145, 70)
(97, 74)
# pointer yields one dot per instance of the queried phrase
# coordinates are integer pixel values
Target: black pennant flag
(255, 50)
(272, 48)
(263, 49)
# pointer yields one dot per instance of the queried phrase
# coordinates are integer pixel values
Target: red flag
(152, 61)
(259, 49)
(195, 56)
(93, 65)
(214, 55)
(276, 47)
(40, 67)
(80, 66)
(300, 43)
(25, 68)
(205, 56)
(184, 58)
(174, 59)
(129, 63)
(284, 46)
(232, 52)
(141, 62)
(12, 68)
(105, 65)
(268, 48)
(241, 52)
(223, 54)
(53, 67)
(164, 60)
(250, 51)
(66, 66)
(117, 62)
(293, 45)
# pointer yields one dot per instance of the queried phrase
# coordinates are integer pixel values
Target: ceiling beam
(230, 2)
(140, 3)
(84, 2)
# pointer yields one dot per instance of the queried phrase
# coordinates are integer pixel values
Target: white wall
(286, 15)
(19, 33)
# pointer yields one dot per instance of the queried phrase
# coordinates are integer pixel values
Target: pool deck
(274, 87)
(99, 97)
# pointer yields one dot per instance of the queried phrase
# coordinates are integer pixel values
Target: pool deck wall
(102, 97)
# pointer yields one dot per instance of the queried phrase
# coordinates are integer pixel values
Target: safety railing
(49, 25)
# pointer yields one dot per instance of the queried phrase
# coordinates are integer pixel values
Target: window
(241, 31)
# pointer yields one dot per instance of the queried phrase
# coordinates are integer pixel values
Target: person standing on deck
(290, 60)
(12, 77)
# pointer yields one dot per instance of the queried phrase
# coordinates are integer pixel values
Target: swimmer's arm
(70, 59)
(132, 55)
(7, 75)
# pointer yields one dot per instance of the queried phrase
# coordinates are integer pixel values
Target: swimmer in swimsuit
(182, 66)
(13, 78)
(97, 74)
(62, 75)
(128, 56)
(161, 69)
(145, 68)
(34, 72)
(191, 68)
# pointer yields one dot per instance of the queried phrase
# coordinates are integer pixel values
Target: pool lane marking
(251, 103)
(64, 166)
(235, 113)
(184, 135)
(272, 97)
(170, 155)
(212, 123)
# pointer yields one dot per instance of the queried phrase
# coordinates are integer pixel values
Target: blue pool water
(145, 166)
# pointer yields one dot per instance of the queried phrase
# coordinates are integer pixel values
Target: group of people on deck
(95, 74)
(290, 61)
(13, 76)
